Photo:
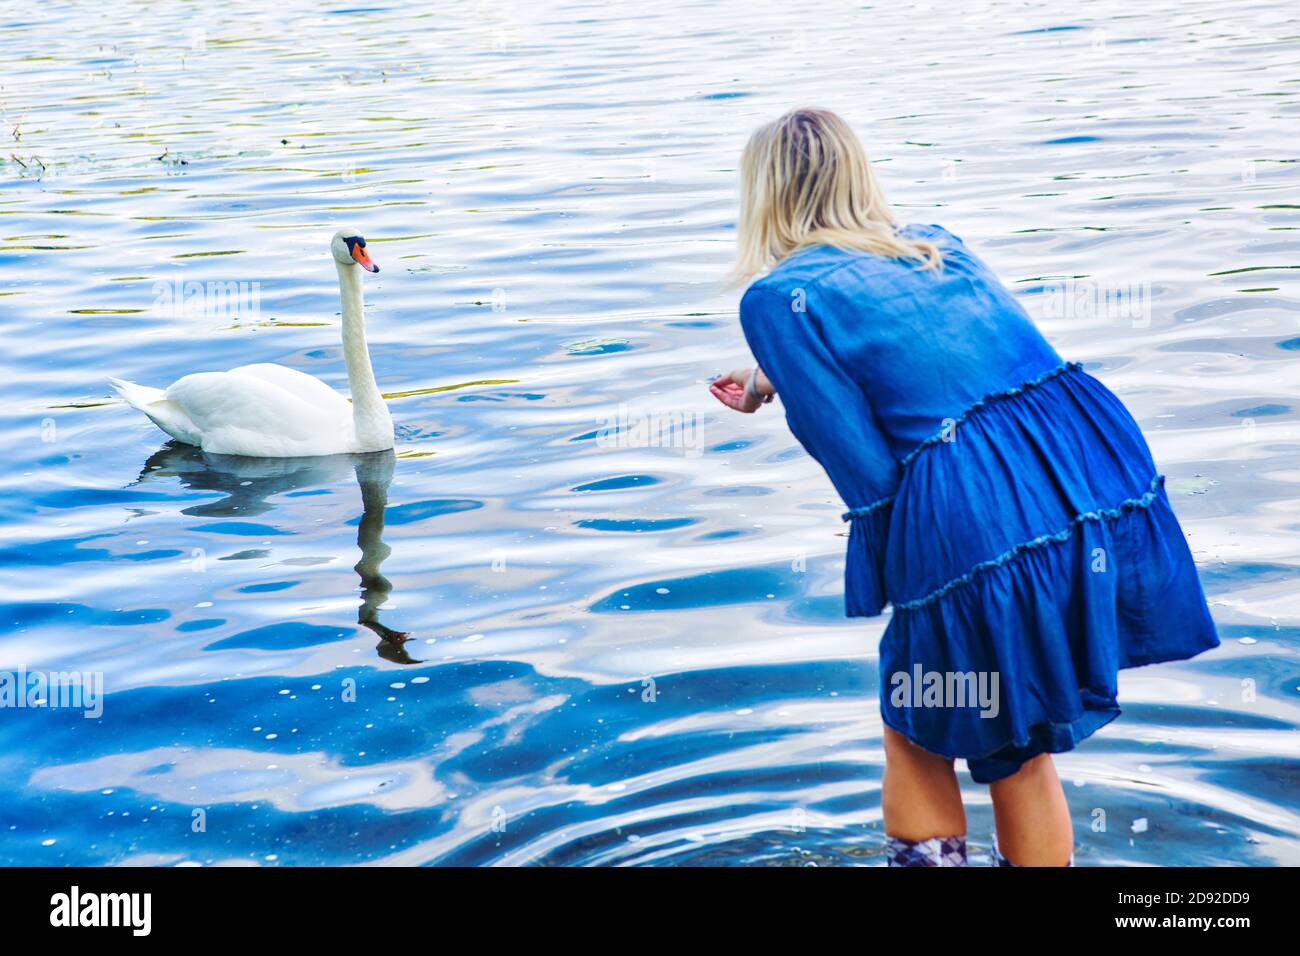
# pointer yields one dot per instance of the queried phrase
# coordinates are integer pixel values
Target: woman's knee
(901, 751)
(1033, 771)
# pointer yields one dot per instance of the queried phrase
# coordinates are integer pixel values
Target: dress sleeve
(829, 415)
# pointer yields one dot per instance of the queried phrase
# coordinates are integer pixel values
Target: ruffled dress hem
(1047, 736)
(1042, 736)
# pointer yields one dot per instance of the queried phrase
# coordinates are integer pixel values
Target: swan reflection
(248, 483)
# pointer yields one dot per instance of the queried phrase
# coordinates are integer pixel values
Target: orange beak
(363, 258)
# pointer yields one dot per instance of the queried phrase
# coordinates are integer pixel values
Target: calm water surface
(538, 635)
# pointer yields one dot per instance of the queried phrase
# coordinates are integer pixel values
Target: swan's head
(349, 248)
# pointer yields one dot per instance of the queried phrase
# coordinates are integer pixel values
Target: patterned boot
(1000, 860)
(936, 851)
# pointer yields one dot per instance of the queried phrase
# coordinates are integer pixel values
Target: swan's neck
(370, 418)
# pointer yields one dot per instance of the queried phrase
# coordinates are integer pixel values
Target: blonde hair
(805, 180)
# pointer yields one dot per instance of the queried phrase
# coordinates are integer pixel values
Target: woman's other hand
(730, 390)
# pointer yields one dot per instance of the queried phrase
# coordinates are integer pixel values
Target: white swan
(270, 411)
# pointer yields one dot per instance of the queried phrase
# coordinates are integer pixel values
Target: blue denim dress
(1004, 502)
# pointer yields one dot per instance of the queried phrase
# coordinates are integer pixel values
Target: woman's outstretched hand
(730, 390)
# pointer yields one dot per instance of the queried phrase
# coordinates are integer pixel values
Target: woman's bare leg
(920, 796)
(1032, 817)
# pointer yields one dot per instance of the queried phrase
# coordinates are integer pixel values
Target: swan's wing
(241, 414)
(297, 383)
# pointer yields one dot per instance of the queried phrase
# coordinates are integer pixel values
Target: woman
(1003, 501)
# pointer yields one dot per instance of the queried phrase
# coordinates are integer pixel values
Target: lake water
(622, 609)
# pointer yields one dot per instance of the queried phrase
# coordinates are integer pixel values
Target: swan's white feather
(298, 383)
(243, 413)
(167, 415)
